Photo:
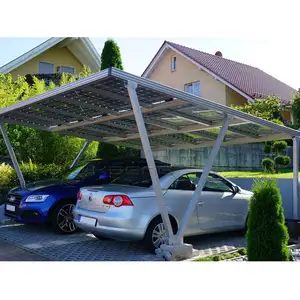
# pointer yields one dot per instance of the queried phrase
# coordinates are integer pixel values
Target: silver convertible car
(127, 209)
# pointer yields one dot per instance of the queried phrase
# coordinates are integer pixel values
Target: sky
(276, 57)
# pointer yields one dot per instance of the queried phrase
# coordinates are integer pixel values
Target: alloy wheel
(159, 235)
(65, 218)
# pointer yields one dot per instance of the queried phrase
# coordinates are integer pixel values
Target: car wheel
(62, 218)
(100, 237)
(156, 234)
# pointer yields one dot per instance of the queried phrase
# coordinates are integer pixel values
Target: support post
(131, 87)
(12, 156)
(295, 178)
(202, 180)
(74, 163)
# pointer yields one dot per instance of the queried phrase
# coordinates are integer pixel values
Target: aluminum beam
(295, 178)
(85, 145)
(131, 87)
(12, 156)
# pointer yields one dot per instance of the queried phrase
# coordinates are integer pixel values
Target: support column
(12, 156)
(202, 180)
(85, 145)
(295, 178)
(131, 87)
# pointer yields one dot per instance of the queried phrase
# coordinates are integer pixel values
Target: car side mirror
(236, 189)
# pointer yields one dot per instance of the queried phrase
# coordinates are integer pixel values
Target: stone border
(295, 246)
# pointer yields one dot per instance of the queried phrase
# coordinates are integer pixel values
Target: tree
(267, 236)
(296, 109)
(268, 108)
(111, 55)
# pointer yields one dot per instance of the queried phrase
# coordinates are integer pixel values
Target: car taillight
(117, 200)
(79, 195)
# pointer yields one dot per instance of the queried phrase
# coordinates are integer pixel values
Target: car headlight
(36, 198)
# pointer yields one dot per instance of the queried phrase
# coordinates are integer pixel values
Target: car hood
(245, 192)
(42, 186)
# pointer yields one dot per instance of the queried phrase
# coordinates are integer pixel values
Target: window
(187, 182)
(173, 63)
(193, 88)
(216, 184)
(213, 183)
(64, 69)
(45, 68)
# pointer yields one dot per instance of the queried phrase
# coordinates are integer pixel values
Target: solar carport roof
(98, 108)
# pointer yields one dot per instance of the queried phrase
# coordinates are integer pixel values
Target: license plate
(10, 207)
(87, 221)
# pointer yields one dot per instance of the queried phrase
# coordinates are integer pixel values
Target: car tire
(101, 238)
(152, 241)
(62, 217)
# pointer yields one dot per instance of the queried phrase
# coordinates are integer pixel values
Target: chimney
(219, 53)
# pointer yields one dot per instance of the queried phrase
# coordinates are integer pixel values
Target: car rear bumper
(111, 225)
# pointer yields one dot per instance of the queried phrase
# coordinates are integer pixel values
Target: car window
(189, 182)
(215, 183)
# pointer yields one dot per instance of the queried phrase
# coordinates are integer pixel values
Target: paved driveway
(40, 243)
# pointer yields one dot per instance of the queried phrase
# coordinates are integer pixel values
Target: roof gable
(81, 48)
(249, 81)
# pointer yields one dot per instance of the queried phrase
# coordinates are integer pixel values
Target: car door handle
(201, 203)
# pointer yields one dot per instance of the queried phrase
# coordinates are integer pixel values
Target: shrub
(6, 175)
(279, 146)
(268, 164)
(282, 160)
(267, 235)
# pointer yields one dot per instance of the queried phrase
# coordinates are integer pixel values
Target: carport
(116, 107)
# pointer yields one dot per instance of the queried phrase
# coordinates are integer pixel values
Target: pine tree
(111, 55)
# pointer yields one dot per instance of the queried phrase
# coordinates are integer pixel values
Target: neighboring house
(56, 55)
(215, 78)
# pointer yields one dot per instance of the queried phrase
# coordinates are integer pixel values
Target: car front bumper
(112, 225)
(28, 213)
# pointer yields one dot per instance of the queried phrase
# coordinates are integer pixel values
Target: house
(56, 55)
(215, 78)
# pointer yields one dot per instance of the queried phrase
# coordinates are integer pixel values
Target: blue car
(52, 201)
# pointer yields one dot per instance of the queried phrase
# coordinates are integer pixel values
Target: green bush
(31, 173)
(268, 164)
(267, 235)
(282, 160)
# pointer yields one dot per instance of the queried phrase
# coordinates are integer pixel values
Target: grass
(284, 173)
(219, 257)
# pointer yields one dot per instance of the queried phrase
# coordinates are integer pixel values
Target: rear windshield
(141, 176)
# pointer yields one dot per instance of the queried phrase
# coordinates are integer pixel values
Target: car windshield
(114, 168)
(141, 176)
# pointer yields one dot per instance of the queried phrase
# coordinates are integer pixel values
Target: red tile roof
(252, 81)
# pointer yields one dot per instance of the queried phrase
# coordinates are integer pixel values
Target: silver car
(127, 209)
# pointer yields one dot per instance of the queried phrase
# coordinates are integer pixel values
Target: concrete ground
(9, 252)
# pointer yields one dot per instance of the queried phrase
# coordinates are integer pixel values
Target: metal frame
(85, 145)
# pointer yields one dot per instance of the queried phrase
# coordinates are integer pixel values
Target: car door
(219, 207)
(178, 196)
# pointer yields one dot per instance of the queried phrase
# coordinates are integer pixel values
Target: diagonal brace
(85, 145)
(202, 180)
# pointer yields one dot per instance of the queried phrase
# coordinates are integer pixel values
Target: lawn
(284, 173)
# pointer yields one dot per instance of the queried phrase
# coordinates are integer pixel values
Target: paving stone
(81, 246)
